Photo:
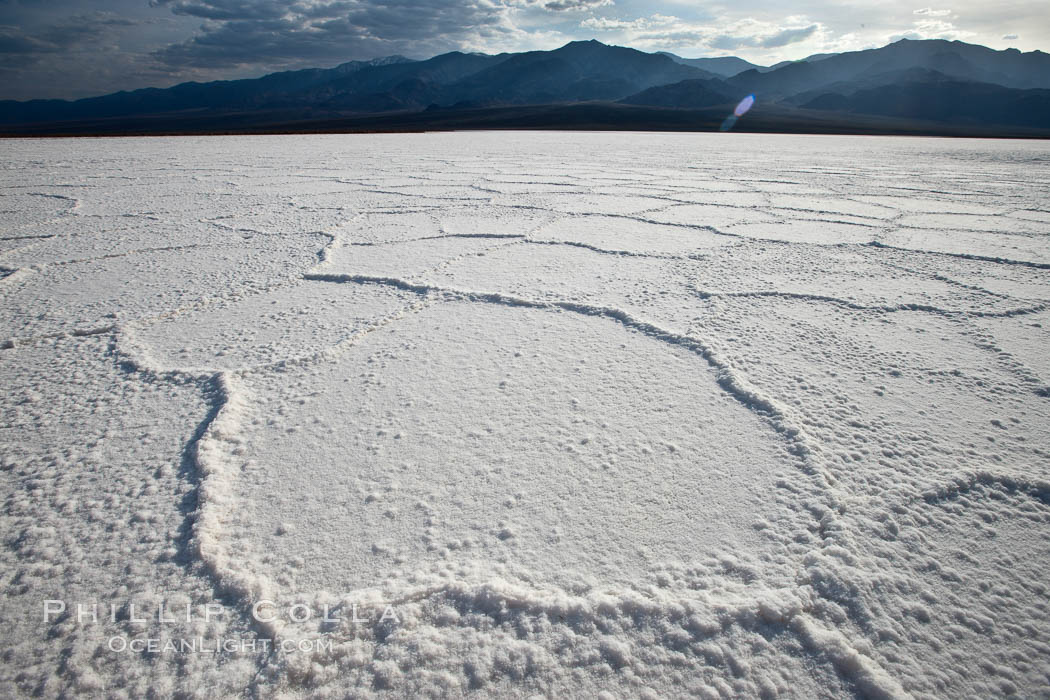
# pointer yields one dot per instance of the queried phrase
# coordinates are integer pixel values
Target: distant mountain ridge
(944, 100)
(934, 82)
(968, 62)
(722, 66)
(578, 71)
(687, 94)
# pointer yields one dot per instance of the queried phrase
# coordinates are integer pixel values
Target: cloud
(19, 49)
(1010, 37)
(604, 24)
(12, 43)
(932, 29)
(225, 9)
(788, 36)
(78, 55)
(652, 23)
(575, 5)
(933, 24)
(720, 34)
(272, 33)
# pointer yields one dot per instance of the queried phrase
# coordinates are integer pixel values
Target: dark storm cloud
(245, 32)
(324, 10)
(226, 9)
(19, 48)
(13, 43)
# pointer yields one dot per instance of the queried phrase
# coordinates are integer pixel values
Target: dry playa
(525, 414)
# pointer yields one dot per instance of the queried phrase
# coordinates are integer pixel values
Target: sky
(78, 48)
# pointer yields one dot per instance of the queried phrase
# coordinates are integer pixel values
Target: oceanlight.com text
(201, 645)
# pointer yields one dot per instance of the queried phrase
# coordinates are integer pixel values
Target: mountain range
(909, 86)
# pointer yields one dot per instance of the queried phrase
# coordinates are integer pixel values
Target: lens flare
(739, 111)
(745, 104)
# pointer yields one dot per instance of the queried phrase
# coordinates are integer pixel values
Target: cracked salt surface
(594, 414)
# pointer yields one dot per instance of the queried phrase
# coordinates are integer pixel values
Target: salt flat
(516, 414)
